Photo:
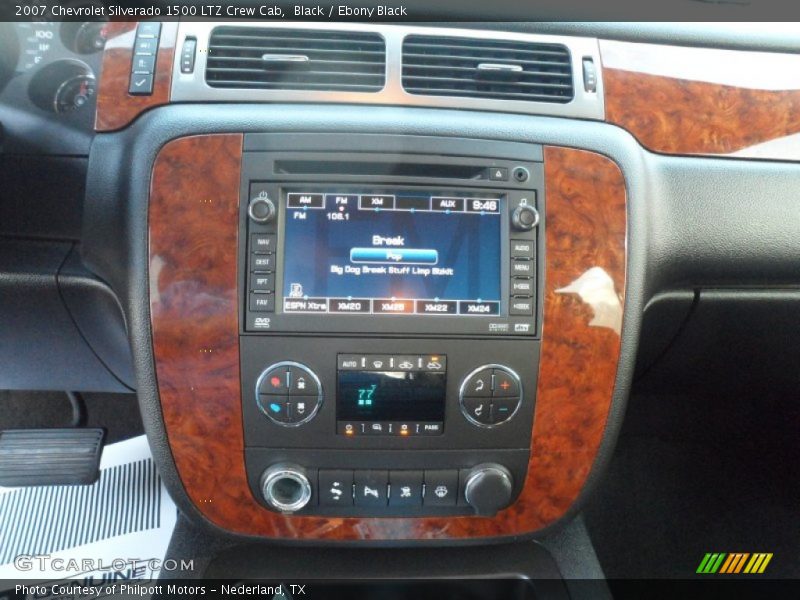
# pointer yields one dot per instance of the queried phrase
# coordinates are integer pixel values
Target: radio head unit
(384, 258)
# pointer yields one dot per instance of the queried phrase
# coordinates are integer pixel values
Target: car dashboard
(388, 284)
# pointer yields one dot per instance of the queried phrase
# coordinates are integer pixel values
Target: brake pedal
(30, 457)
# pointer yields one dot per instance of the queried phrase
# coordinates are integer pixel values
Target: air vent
(295, 59)
(489, 69)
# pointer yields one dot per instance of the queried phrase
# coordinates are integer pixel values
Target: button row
(389, 428)
(523, 267)
(379, 488)
(262, 275)
(491, 383)
(291, 381)
(187, 54)
(287, 409)
(385, 362)
(145, 50)
(377, 202)
(388, 306)
(490, 411)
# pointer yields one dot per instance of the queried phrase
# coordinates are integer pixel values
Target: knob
(286, 488)
(521, 174)
(261, 209)
(488, 489)
(525, 217)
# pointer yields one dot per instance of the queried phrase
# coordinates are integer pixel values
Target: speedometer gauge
(36, 42)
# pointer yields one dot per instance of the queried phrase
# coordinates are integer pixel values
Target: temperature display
(406, 397)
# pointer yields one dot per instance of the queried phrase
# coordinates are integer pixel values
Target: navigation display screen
(392, 252)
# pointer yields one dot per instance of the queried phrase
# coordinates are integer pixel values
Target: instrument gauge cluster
(42, 56)
(48, 77)
(63, 86)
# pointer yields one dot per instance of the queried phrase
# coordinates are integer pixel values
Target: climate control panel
(289, 393)
(342, 426)
(401, 395)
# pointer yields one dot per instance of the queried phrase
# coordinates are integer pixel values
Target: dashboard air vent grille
(292, 59)
(487, 68)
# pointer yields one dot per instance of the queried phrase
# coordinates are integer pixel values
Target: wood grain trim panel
(193, 220)
(678, 100)
(116, 108)
(585, 269)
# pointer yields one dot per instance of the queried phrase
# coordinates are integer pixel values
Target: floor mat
(118, 414)
(122, 524)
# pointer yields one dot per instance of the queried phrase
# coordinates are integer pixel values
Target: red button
(275, 382)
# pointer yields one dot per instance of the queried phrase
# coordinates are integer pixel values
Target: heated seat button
(405, 488)
(335, 487)
(441, 488)
(274, 381)
(505, 386)
(371, 487)
(277, 408)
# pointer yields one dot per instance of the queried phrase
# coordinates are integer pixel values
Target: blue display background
(468, 243)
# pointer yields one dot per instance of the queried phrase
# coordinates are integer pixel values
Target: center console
(390, 317)
(384, 337)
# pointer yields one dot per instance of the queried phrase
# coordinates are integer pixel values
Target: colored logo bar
(398, 256)
(734, 563)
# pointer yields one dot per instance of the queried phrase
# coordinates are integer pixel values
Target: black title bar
(511, 11)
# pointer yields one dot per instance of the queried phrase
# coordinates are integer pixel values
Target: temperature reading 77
(365, 395)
